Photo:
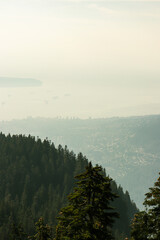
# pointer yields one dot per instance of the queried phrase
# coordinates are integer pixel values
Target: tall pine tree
(88, 215)
(147, 223)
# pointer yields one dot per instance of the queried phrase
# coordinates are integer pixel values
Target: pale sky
(93, 58)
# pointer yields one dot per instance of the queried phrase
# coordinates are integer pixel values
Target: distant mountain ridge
(127, 147)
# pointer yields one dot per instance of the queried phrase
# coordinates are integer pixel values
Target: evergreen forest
(36, 178)
(128, 148)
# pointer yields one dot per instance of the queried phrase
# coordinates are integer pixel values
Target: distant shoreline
(19, 82)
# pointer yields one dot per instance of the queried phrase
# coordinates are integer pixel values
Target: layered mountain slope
(127, 147)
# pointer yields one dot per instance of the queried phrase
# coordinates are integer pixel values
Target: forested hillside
(35, 179)
(127, 147)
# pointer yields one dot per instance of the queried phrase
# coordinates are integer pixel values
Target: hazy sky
(92, 58)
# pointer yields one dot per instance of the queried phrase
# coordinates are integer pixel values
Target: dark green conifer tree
(88, 215)
(17, 232)
(43, 232)
(147, 223)
(139, 226)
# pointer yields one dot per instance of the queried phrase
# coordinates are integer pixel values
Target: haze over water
(91, 58)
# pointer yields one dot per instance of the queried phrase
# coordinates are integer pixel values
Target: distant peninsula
(19, 82)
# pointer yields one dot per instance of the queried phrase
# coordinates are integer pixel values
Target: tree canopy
(36, 178)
